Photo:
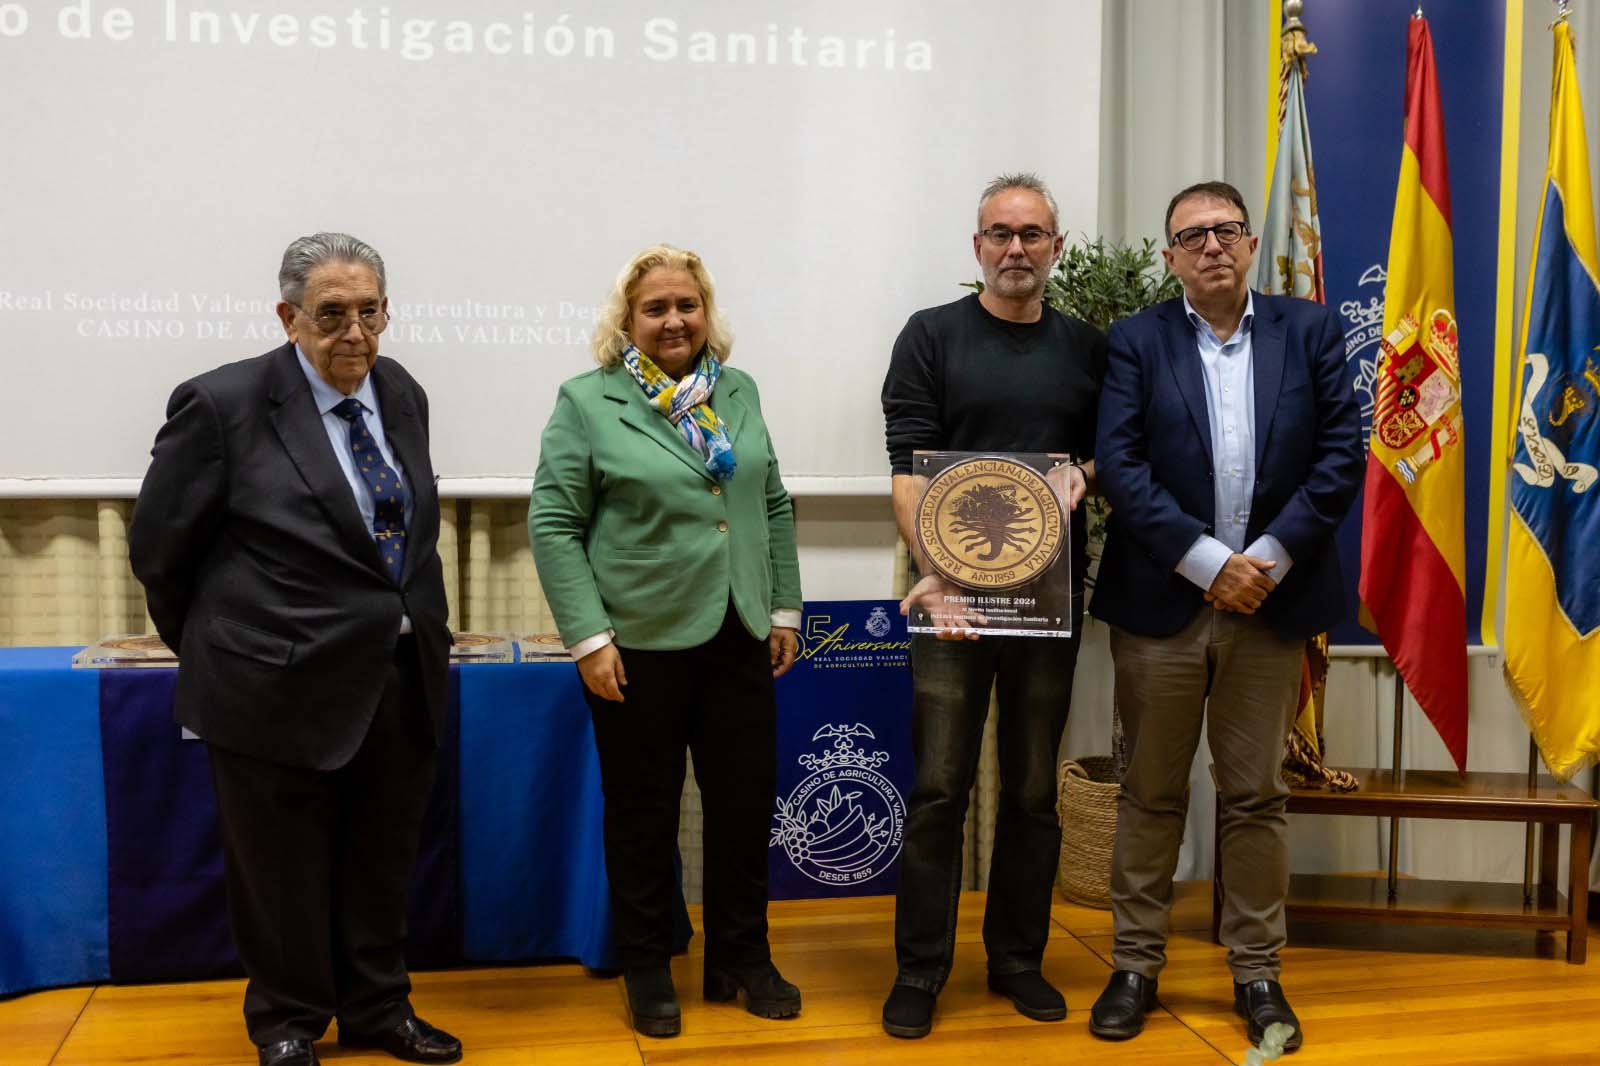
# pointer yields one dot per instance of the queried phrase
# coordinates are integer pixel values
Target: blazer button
(722, 527)
(716, 490)
(1208, 475)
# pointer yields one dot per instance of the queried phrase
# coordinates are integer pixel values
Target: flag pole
(1394, 820)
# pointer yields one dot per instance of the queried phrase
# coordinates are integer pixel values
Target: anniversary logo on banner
(1355, 102)
(844, 754)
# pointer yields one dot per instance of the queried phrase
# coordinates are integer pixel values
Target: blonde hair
(611, 332)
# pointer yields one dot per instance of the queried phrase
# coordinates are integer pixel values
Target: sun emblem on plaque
(990, 522)
(843, 824)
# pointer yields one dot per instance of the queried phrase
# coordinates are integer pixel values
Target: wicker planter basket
(1086, 802)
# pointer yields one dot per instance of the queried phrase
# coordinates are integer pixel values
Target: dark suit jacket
(1154, 464)
(261, 574)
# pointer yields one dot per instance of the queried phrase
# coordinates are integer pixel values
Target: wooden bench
(1477, 797)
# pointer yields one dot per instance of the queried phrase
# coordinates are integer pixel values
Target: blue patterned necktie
(388, 497)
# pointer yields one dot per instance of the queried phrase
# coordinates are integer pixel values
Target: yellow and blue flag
(1552, 637)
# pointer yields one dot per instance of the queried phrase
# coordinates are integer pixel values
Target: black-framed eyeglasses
(373, 320)
(1194, 238)
(1002, 236)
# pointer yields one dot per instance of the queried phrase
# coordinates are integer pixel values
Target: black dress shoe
(908, 1012)
(413, 1040)
(1031, 994)
(653, 1001)
(1119, 1012)
(1261, 1004)
(766, 993)
(288, 1053)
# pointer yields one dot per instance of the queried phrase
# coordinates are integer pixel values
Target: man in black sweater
(996, 372)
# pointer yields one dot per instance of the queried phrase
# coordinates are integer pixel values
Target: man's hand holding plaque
(940, 599)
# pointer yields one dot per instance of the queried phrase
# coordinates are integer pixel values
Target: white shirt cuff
(788, 618)
(589, 644)
(1204, 561)
(1267, 546)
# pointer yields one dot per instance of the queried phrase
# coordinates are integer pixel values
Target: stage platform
(1374, 994)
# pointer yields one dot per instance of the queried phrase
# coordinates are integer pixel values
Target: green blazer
(630, 533)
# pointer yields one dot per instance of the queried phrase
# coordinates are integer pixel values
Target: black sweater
(963, 380)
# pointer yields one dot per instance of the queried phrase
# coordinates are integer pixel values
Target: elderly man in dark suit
(1229, 448)
(286, 538)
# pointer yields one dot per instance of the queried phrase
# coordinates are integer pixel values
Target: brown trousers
(1236, 674)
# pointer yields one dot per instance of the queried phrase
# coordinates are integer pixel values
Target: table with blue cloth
(111, 864)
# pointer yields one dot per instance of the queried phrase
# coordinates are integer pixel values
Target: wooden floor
(1365, 994)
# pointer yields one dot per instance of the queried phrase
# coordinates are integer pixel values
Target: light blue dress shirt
(1231, 410)
(327, 398)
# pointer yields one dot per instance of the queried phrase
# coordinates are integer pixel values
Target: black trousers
(717, 701)
(950, 702)
(317, 865)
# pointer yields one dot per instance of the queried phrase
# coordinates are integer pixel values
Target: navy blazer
(1155, 467)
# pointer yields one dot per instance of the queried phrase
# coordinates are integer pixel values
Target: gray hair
(305, 254)
(1022, 179)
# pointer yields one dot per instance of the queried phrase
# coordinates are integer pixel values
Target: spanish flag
(1552, 637)
(1412, 539)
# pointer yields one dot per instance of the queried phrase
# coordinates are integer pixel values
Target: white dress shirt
(1231, 410)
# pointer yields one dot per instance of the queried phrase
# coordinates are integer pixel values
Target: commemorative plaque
(997, 529)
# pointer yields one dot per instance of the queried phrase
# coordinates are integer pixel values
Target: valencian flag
(1412, 539)
(1290, 260)
(1552, 636)
(1290, 264)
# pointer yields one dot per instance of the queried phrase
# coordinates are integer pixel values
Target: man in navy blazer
(1229, 448)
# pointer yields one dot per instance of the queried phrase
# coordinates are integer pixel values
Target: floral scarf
(685, 404)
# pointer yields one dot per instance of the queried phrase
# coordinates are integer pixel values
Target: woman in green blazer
(665, 544)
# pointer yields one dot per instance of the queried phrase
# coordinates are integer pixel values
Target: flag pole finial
(1292, 10)
(1563, 10)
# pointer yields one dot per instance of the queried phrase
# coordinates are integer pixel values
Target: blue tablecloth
(52, 822)
(110, 865)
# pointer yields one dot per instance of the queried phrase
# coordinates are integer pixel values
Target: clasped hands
(603, 674)
(1242, 585)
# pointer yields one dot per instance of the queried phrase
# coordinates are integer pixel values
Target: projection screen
(506, 159)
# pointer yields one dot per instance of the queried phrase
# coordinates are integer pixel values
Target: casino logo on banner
(843, 824)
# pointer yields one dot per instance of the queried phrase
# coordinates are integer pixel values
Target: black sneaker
(908, 1012)
(1031, 994)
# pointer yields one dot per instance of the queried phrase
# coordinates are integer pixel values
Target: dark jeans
(717, 701)
(951, 679)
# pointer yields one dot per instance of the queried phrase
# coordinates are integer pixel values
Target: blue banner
(844, 754)
(1355, 103)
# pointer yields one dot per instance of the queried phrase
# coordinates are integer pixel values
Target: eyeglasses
(1194, 238)
(1002, 236)
(372, 320)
